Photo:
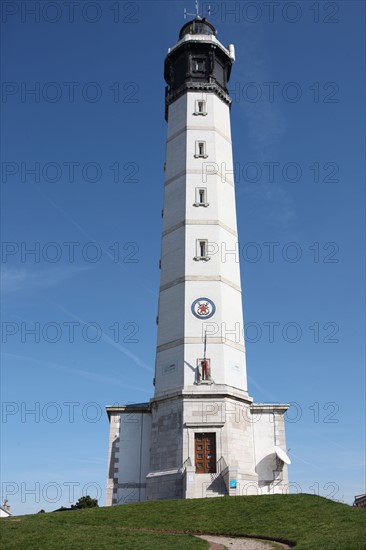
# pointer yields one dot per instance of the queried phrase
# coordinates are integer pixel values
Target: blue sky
(94, 132)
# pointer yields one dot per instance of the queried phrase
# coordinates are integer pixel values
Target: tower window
(200, 107)
(201, 149)
(199, 64)
(201, 250)
(203, 370)
(201, 197)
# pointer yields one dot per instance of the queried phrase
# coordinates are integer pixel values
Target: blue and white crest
(203, 308)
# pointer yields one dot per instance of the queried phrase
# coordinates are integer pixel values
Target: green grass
(307, 522)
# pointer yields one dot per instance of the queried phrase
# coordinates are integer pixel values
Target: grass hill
(306, 522)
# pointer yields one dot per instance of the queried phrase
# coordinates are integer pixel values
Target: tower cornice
(199, 39)
(220, 392)
(210, 87)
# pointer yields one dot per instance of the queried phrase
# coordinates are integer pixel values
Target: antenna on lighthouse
(197, 14)
(197, 8)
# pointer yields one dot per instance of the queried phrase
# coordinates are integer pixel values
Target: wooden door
(205, 453)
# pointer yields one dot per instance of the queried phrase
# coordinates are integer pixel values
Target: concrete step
(210, 494)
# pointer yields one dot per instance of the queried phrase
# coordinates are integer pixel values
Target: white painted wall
(132, 459)
(183, 278)
(269, 431)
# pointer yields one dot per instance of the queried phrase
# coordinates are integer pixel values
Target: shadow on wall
(113, 465)
(266, 467)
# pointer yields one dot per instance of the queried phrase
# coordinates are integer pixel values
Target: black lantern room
(197, 62)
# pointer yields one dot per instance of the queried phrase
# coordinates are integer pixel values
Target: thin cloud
(18, 279)
(260, 388)
(108, 340)
(90, 238)
(257, 102)
(116, 381)
(265, 122)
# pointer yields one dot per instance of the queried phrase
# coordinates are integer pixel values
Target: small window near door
(203, 370)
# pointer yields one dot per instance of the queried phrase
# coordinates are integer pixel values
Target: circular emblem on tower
(203, 308)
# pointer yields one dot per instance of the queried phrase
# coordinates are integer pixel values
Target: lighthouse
(201, 434)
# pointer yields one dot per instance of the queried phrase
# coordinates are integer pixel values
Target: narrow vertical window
(200, 107)
(199, 64)
(204, 369)
(201, 250)
(200, 149)
(201, 196)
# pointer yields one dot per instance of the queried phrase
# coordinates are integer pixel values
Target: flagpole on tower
(204, 345)
(205, 362)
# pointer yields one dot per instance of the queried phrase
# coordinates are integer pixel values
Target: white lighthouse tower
(200, 435)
